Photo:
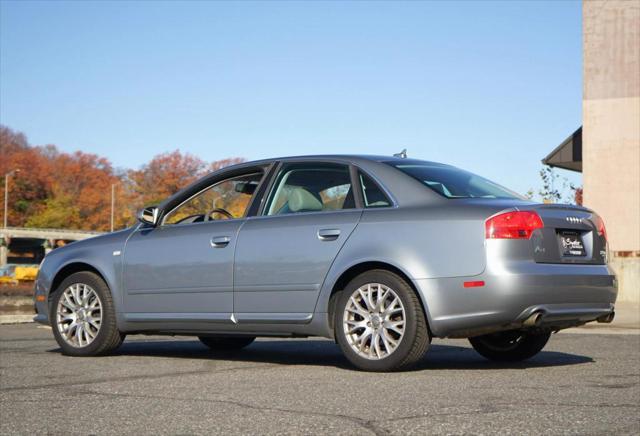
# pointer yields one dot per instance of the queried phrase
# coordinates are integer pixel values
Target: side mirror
(148, 215)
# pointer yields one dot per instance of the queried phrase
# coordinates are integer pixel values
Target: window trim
(217, 181)
(383, 188)
(385, 192)
(260, 213)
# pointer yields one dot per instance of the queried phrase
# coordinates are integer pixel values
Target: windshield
(452, 182)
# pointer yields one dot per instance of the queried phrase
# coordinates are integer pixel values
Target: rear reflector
(513, 225)
(41, 298)
(473, 284)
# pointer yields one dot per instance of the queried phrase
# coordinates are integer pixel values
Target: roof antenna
(402, 154)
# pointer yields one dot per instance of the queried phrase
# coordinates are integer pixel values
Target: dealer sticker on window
(571, 244)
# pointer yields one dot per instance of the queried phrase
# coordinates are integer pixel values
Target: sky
(491, 87)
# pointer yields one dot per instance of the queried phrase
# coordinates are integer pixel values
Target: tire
(89, 288)
(226, 343)
(510, 346)
(364, 325)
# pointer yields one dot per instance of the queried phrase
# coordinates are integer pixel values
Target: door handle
(328, 234)
(220, 241)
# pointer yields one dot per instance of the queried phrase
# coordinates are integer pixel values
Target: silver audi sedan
(379, 253)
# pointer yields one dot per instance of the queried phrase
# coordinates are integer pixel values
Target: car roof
(353, 158)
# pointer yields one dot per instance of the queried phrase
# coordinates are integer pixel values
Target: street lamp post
(6, 194)
(113, 203)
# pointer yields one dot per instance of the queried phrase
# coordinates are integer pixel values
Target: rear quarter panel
(433, 241)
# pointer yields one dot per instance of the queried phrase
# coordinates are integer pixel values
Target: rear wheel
(510, 346)
(379, 322)
(226, 343)
(83, 316)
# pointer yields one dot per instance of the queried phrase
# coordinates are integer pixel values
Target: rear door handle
(220, 241)
(328, 234)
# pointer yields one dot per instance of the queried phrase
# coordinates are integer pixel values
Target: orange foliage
(73, 190)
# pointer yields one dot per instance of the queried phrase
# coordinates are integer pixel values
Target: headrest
(301, 200)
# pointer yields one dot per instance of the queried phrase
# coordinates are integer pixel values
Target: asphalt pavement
(580, 384)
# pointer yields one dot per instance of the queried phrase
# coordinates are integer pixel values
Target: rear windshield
(452, 182)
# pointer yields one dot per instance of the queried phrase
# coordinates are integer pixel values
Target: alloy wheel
(79, 315)
(374, 321)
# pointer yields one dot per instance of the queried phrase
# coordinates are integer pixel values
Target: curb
(16, 319)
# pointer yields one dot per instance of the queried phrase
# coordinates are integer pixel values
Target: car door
(182, 270)
(284, 254)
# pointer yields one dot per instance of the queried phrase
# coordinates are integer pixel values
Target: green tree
(59, 212)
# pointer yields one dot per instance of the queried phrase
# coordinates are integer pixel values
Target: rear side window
(452, 182)
(310, 187)
(372, 194)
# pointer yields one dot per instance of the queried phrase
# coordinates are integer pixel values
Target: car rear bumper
(563, 296)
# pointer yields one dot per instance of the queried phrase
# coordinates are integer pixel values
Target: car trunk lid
(571, 235)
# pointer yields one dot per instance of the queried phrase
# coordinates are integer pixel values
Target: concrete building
(607, 146)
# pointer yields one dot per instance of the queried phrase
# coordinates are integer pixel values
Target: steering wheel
(219, 210)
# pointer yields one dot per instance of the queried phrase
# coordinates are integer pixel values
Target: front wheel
(379, 322)
(510, 346)
(83, 316)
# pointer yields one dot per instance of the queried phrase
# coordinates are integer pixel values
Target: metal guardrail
(36, 229)
(17, 232)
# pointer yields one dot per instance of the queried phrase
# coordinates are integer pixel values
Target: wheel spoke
(91, 335)
(71, 332)
(396, 326)
(370, 303)
(358, 308)
(67, 302)
(382, 295)
(375, 344)
(393, 307)
(75, 290)
(356, 325)
(364, 299)
(363, 339)
(85, 295)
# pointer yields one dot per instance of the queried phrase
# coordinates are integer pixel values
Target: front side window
(310, 188)
(452, 182)
(227, 199)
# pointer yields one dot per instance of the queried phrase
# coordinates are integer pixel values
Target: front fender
(102, 254)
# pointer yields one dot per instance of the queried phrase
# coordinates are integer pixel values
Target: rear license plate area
(571, 243)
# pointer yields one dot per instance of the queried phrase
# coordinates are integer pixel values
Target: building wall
(611, 131)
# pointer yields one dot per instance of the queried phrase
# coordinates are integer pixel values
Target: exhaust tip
(533, 320)
(608, 318)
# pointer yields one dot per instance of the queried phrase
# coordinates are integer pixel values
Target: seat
(301, 200)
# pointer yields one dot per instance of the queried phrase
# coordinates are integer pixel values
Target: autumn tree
(80, 192)
(167, 173)
(30, 186)
(73, 190)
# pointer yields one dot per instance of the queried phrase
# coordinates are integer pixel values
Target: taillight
(602, 231)
(513, 225)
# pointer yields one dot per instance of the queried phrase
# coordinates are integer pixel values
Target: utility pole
(113, 203)
(6, 194)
